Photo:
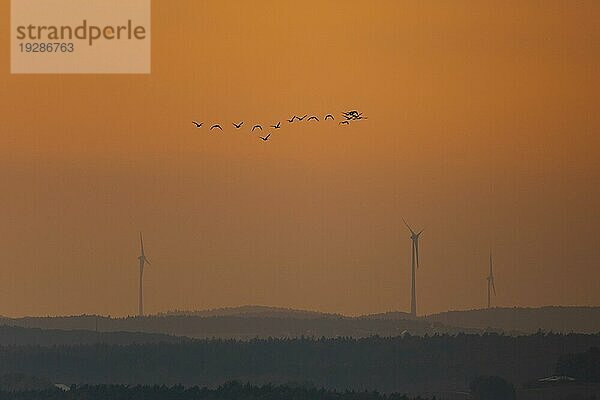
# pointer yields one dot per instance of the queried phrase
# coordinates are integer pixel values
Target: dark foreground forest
(400, 364)
(229, 391)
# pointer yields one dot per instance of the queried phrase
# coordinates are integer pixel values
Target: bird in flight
(266, 137)
(198, 124)
(353, 115)
(238, 126)
(256, 127)
(300, 119)
(344, 123)
(277, 126)
(292, 120)
(329, 116)
(217, 126)
(313, 117)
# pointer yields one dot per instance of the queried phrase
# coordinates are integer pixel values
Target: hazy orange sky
(483, 129)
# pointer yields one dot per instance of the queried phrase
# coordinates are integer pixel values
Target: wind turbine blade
(493, 286)
(142, 243)
(420, 232)
(408, 226)
(146, 260)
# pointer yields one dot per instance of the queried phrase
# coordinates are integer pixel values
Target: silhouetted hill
(388, 315)
(525, 320)
(262, 322)
(18, 336)
(236, 327)
(252, 311)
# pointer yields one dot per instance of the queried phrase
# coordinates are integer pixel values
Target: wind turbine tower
(490, 283)
(143, 260)
(414, 237)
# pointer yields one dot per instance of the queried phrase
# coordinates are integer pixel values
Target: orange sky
(483, 129)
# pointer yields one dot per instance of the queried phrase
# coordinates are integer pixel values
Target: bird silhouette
(277, 126)
(300, 119)
(313, 117)
(266, 137)
(238, 126)
(292, 120)
(344, 123)
(353, 115)
(329, 116)
(198, 124)
(216, 126)
(256, 127)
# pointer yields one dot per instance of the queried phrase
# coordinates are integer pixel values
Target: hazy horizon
(483, 130)
(295, 309)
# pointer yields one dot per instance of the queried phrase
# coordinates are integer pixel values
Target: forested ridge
(396, 364)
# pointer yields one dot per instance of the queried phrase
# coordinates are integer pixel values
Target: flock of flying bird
(347, 116)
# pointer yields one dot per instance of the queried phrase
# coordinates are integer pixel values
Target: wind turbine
(414, 237)
(490, 283)
(143, 260)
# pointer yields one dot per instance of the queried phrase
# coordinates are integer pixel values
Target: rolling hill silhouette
(243, 323)
(252, 311)
(250, 322)
(19, 336)
(525, 320)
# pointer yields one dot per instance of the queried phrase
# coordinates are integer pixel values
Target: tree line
(395, 364)
(229, 391)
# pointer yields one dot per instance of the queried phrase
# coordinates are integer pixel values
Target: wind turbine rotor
(408, 226)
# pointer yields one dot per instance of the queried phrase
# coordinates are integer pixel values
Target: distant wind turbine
(143, 260)
(414, 237)
(490, 283)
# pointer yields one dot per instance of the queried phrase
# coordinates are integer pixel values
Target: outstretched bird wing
(267, 138)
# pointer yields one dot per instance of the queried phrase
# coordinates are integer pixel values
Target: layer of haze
(483, 129)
